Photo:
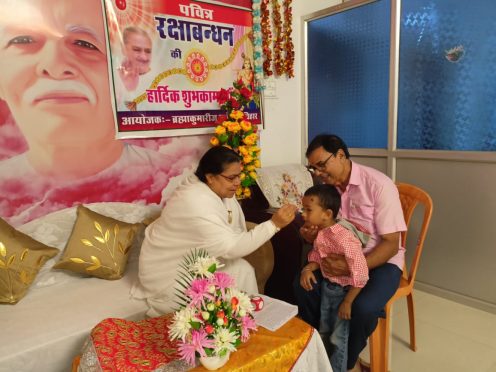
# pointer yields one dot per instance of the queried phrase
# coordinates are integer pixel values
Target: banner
(169, 59)
(57, 130)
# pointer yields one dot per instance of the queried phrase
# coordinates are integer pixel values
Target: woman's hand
(335, 265)
(284, 215)
(309, 232)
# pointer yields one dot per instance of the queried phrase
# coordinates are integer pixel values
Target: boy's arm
(344, 311)
(351, 295)
(311, 266)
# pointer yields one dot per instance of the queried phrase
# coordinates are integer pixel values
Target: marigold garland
(277, 20)
(288, 41)
(274, 37)
(266, 37)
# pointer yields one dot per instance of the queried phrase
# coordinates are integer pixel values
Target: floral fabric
(284, 184)
(123, 345)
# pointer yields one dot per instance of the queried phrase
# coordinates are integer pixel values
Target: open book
(275, 313)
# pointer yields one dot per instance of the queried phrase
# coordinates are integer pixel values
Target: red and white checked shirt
(338, 239)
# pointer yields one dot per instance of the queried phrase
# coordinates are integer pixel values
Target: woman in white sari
(203, 213)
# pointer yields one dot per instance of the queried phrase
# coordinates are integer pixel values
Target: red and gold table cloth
(122, 345)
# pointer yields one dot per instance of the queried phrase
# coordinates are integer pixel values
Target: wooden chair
(410, 197)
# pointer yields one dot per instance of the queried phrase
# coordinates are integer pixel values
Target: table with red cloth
(122, 345)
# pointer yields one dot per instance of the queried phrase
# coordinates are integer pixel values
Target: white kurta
(195, 217)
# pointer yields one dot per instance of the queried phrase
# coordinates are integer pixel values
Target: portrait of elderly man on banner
(169, 60)
(58, 145)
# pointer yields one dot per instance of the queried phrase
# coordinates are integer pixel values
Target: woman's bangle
(306, 269)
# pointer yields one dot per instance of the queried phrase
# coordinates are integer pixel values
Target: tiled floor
(450, 337)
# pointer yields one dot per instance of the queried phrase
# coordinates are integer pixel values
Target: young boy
(321, 205)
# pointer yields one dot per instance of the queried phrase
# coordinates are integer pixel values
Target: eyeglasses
(320, 166)
(231, 178)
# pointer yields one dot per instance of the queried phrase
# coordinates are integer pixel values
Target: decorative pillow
(21, 257)
(98, 246)
(284, 184)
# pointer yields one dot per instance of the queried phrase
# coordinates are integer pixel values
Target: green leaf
(212, 268)
(235, 141)
(195, 325)
(223, 138)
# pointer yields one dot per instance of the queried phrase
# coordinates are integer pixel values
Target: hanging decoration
(257, 46)
(277, 45)
(266, 38)
(274, 35)
(288, 41)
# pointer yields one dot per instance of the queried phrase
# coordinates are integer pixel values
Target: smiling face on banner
(58, 145)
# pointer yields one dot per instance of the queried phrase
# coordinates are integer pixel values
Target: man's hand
(309, 232)
(335, 265)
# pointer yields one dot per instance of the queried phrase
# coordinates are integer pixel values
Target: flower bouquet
(236, 132)
(214, 317)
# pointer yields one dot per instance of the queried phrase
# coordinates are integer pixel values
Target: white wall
(281, 140)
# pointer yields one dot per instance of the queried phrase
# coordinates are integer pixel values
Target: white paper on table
(275, 313)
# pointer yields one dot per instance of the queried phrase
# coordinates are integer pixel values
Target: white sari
(195, 217)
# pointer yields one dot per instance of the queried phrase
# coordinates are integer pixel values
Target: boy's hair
(329, 197)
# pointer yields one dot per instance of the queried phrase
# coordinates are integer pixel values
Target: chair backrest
(410, 197)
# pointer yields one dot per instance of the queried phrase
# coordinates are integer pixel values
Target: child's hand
(344, 311)
(307, 278)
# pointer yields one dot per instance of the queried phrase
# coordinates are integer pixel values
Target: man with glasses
(370, 199)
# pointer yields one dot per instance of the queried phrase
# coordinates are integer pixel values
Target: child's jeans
(334, 330)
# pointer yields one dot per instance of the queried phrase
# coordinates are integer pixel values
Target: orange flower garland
(276, 17)
(277, 46)
(266, 37)
(288, 41)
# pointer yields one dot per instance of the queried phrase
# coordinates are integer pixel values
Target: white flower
(224, 340)
(202, 264)
(180, 326)
(244, 301)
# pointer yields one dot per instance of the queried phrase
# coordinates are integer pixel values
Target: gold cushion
(98, 246)
(21, 257)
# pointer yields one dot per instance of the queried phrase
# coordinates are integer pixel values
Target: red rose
(245, 92)
(223, 96)
(234, 103)
(221, 119)
(209, 329)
